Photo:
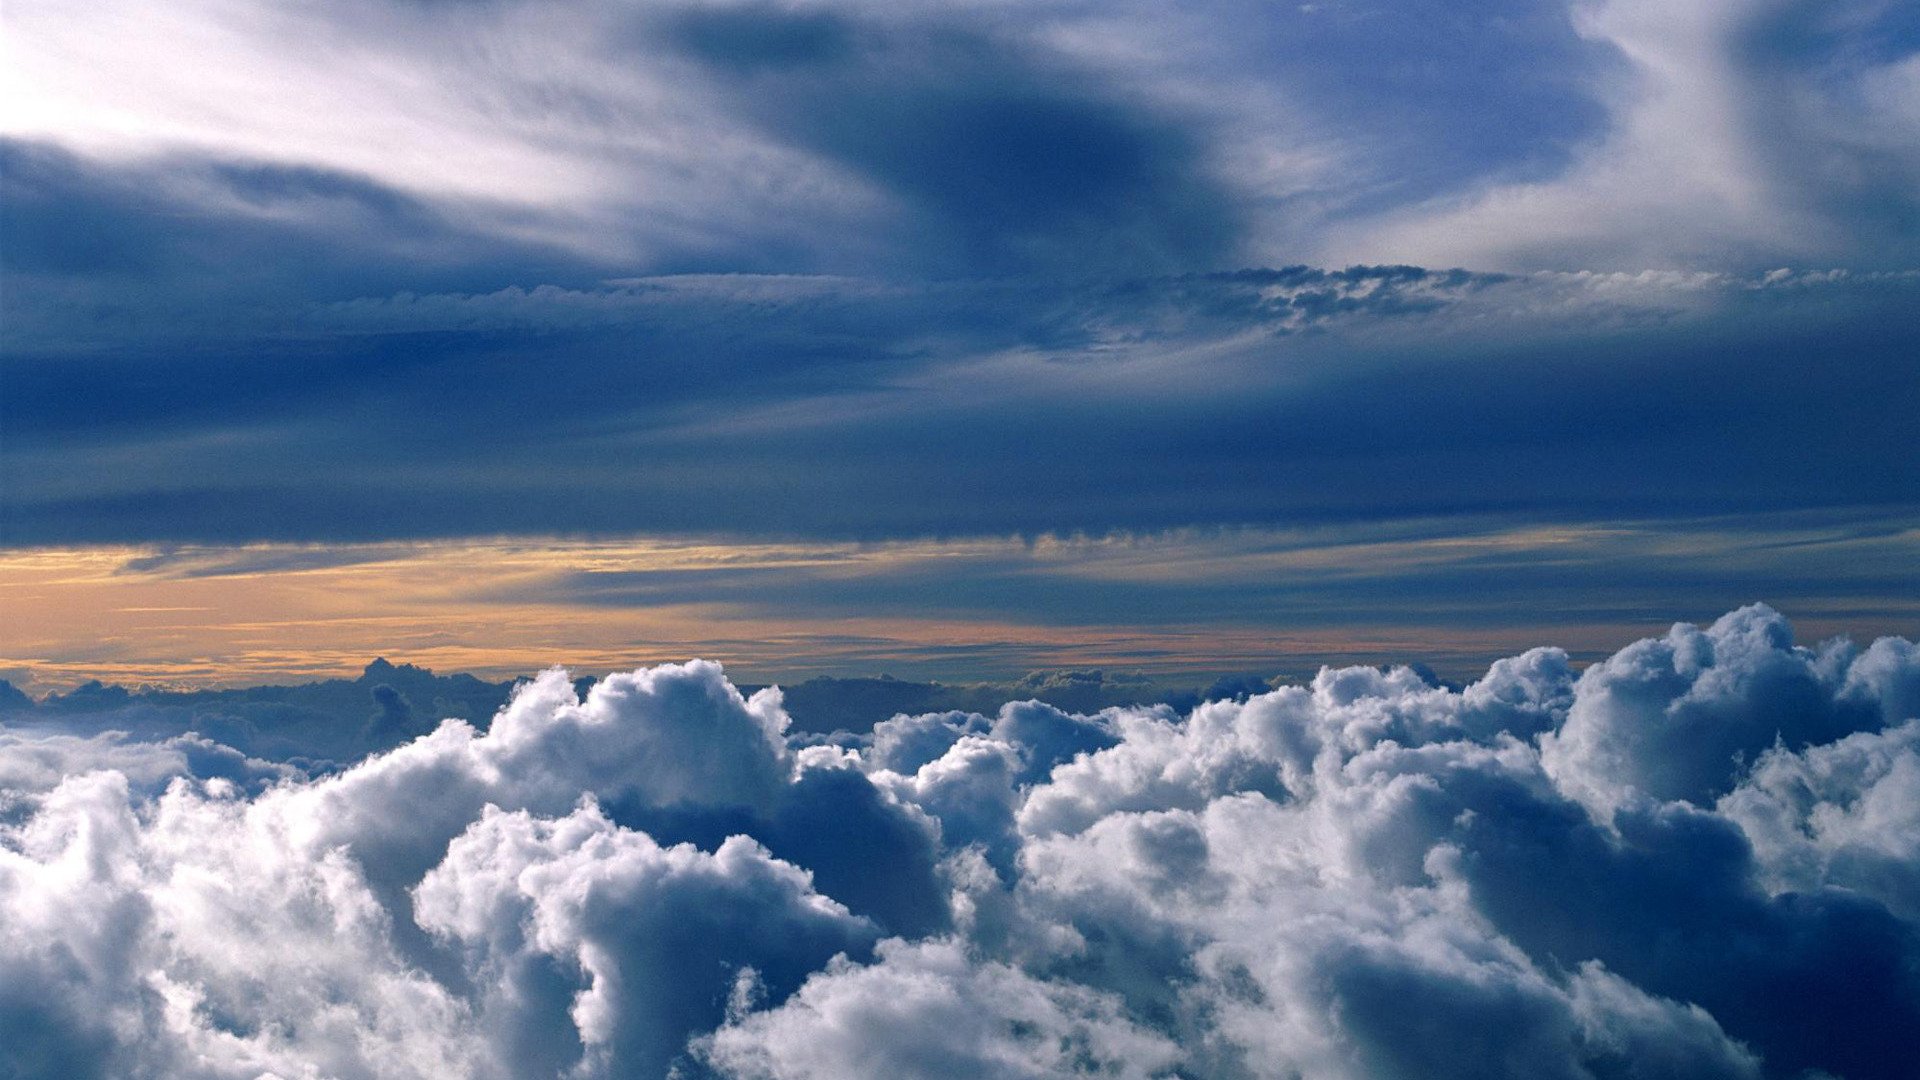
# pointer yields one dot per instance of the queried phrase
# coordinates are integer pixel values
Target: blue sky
(846, 272)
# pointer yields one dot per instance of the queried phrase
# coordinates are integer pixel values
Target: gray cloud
(1737, 134)
(1279, 397)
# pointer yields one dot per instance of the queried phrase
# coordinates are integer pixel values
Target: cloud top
(1693, 859)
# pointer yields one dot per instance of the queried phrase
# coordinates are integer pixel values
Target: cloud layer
(1693, 859)
(836, 133)
(380, 270)
(775, 408)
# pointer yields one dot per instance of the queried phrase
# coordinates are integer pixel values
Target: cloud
(1841, 814)
(929, 1010)
(1367, 875)
(1014, 160)
(1739, 133)
(978, 138)
(828, 272)
(690, 135)
(1275, 393)
(35, 760)
(1673, 718)
(658, 936)
(200, 943)
(498, 278)
(141, 916)
(316, 726)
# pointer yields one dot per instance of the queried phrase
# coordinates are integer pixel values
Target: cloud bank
(777, 408)
(1693, 859)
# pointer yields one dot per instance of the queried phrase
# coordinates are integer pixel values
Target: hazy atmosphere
(820, 538)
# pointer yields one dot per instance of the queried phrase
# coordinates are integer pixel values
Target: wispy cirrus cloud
(1184, 605)
(834, 408)
(833, 271)
(846, 137)
(1737, 134)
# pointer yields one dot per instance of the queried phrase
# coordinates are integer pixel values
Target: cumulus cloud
(1844, 814)
(36, 761)
(1694, 859)
(406, 916)
(930, 1010)
(1671, 718)
(658, 936)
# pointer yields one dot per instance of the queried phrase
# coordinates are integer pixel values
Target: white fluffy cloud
(657, 935)
(190, 938)
(1844, 814)
(1673, 717)
(204, 933)
(33, 762)
(1693, 859)
(929, 1010)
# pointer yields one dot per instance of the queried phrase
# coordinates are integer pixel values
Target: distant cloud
(779, 406)
(1368, 874)
(34, 761)
(1081, 620)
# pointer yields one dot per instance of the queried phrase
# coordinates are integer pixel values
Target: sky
(910, 541)
(1527, 321)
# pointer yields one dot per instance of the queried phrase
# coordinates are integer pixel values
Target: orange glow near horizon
(224, 616)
